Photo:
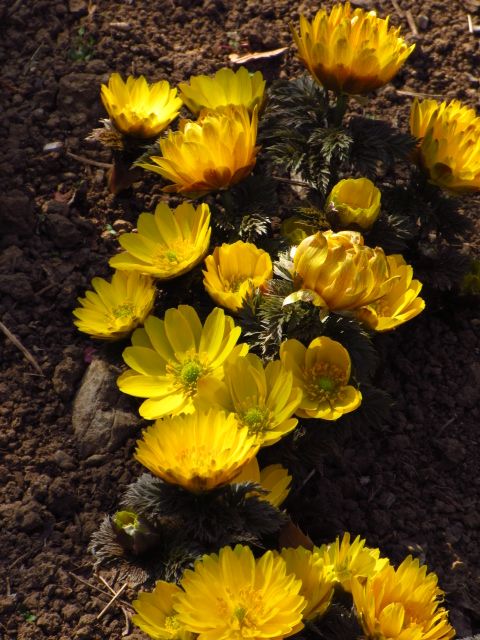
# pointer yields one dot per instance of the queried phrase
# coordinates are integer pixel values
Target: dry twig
(92, 163)
(411, 22)
(396, 6)
(112, 600)
(20, 346)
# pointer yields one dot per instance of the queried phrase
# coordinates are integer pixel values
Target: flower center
(187, 373)
(166, 258)
(234, 284)
(256, 419)
(248, 611)
(126, 310)
(171, 624)
(324, 381)
(190, 373)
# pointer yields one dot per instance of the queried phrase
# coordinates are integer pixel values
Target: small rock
(17, 286)
(122, 225)
(63, 232)
(7, 604)
(53, 146)
(66, 375)
(96, 460)
(78, 7)
(422, 22)
(63, 460)
(16, 214)
(29, 518)
(101, 417)
(62, 502)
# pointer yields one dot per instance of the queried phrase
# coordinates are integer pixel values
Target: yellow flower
(402, 604)
(213, 153)
(137, 108)
(168, 243)
(234, 271)
(225, 88)
(317, 586)
(155, 613)
(263, 399)
(449, 150)
(170, 356)
(322, 372)
(349, 51)
(400, 304)
(356, 202)
(198, 451)
(117, 307)
(232, 595)
(275, 479)
(337, 272)
(344, 561)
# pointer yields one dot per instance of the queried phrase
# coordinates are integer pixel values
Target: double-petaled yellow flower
(213, 153)
(399, 304)
(355, 202)
(225, 88)
(232, 595)
(344, 561)
(401, 604)
(197, 451)
(322, 372)
(114, 309)
(168, 243)
(263, 399)
(234, 271)
(350, 51)
(337, 272)
(138, 109)
(275, 479)
(169, 357)
(449, 149)
(317, 585)
(156, 615)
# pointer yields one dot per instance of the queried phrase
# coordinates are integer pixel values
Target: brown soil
(411, 486)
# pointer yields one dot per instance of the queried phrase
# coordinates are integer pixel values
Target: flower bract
(234, 271)
(139, 109)
(168, 243)
(114, 309)
(225, 88)
(155, 614)
(322, 372)
(449, 148)
(168, 358)
(402, 604)
(275, 479)
(198, 451)
(263, 398)
(232, 595)
(344, 561)
(356, 201)
(317, 586)
(213, 153)
(350, 51)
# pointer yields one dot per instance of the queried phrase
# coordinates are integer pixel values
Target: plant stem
(339, 109)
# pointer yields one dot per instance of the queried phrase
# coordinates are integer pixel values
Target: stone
(16, 285)
(101, 418)
(63, 233)
(66, 375)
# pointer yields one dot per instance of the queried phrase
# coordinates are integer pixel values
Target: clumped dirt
(410, 486)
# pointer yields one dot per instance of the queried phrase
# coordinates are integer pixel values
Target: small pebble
(422, 22)
(53, 146)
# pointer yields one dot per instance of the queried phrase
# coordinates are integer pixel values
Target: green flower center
(171, 624)
(324, 381)
(190, 373)
(126, 310)
(256, 419)
(167, 258)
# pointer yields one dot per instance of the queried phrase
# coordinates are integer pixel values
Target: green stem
(339, 109)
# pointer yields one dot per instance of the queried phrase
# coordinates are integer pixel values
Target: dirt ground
(411, 486)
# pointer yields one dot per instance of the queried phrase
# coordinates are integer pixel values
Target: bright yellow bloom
(263, 399)
(213, 153)
(449, 150)
(356, 202)
(337, 272)
(170, 356)
(155, 613)
(234, 271)
(400, 304)
(225, 88)
(139, 109)
(198, 451)
(317, 586)
(117, 307)
(344, 561)
(168, 243)
(349, 51)
(232, 595)
(275, 479)
(322, 372)
(402, 604)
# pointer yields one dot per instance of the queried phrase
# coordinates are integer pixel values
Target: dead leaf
(247, 57)
(292, 536)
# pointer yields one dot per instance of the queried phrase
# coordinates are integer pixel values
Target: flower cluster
(234, 595)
